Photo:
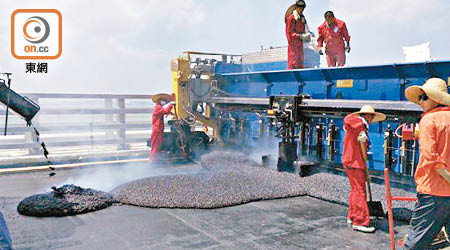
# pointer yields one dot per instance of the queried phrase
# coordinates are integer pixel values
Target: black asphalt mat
(63, 201)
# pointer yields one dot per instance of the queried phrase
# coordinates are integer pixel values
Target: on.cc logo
(36, 29)
(36, 34)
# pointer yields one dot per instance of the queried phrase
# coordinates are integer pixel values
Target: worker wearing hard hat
(432, 209)
(333, 32)
(159, 111)
(356, 143)
(296, 32)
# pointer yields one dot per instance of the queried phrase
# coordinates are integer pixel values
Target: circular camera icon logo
(36, 29)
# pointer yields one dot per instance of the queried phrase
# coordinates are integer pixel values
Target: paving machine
(247, 101)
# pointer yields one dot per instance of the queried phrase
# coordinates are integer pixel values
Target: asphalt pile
(232, 179)
(63, 201)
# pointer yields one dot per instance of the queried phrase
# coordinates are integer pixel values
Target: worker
(333, 32)
(296, 32)
(158, 122)
(432, 177)
(356, 141)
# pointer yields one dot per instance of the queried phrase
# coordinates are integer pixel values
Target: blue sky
(125, 47)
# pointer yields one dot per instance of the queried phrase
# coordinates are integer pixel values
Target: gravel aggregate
(233, 179)
(236, 179)
(230, 181)
(63, 201)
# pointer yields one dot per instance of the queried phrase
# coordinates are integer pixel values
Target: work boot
(349, 222)
(363, 229)
(441, 237)
(402, 242)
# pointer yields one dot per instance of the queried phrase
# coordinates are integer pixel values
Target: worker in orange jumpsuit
(159, 111)
(432, 177)
(356, 127)
(333, 32)
(296, 33)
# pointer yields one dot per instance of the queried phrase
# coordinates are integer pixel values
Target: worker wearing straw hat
(432, 177)
(356, 127)
(158, 122)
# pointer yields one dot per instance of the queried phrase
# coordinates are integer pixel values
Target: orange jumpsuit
(432, 209)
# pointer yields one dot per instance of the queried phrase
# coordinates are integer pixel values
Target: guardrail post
(123, 125)
(109, 117)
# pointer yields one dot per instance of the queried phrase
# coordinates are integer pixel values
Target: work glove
(362, 137)
(320, 51)
(306, 37)
(347, 48)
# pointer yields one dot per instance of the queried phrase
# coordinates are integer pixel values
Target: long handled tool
(375, 207)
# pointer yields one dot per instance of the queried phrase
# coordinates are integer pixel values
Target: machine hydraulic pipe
(388, 139)
(319, 140)
(331, 138)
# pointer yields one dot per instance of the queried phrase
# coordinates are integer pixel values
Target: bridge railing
(86, 121)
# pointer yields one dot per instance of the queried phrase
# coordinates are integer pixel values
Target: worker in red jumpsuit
(296, 33)
(158, 122)
(333, 32)
(356, 141)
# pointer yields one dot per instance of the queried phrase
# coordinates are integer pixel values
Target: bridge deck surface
(294, 223)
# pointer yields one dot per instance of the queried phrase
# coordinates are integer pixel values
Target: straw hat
(367, 109)
(156, 98)
(290, 10)
(435, 88)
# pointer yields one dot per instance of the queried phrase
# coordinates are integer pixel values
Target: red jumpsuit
(158, 129)
(334, 41)
(355, 167)
(295, 50)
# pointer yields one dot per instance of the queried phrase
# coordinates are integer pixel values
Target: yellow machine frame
(181, 73)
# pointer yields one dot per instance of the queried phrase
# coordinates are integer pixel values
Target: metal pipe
(388, 138)
(261, 128)
(403, 157)
(387, 181)
(319, 140)
(331, 145)
(307, 137)
(243, 130)
(413, 160)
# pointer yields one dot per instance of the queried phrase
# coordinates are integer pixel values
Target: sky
(125, 47)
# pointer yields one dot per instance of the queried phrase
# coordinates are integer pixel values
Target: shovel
(375, 207)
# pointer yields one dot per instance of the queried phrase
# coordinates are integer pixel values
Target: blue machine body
(378, 82)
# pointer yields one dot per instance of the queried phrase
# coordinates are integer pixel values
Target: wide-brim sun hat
(156, 98)
(435, 88)
(367, 109)
(290, 10)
